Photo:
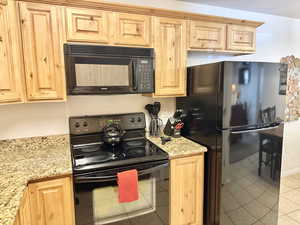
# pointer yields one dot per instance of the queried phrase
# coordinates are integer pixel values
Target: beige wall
(42, 119)
(291, 148)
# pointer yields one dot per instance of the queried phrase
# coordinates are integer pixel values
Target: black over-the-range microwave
(93, 70)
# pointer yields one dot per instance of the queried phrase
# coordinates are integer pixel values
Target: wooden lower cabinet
(17, 220)
(186, 195)
(47, 203)
(24, 214)
(51, 202)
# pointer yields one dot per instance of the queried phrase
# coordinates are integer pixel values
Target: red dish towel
(128, 186)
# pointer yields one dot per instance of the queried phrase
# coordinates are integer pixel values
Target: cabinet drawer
(87, 25)
(206, 35)
(241, 38)
(132, 29)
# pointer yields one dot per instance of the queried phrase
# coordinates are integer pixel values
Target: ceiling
(287, 8)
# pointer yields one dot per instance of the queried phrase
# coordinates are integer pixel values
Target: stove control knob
(85, 124)
(139, 119)
(77, 125)
(132, 120)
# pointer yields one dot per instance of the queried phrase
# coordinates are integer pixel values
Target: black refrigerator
(236, 110)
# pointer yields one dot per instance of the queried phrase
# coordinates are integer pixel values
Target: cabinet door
(187, 180)
(206, 35)
(132, 29)
(11, 89)
(43, 51)
(3, 2)
(52, 202)
(241, 38)
(17, 220)
(87, 25)
(24, 211)
(170, 50)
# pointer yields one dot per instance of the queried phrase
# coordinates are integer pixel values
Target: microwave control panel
(145, 75)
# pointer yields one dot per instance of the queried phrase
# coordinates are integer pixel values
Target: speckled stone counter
(178, 147)
(28, 159)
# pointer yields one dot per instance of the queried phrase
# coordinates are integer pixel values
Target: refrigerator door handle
(254, 130)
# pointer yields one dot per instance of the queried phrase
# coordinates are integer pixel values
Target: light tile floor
(249, 199)
(289, 204)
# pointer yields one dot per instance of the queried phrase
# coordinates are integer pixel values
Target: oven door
(100, 75)
(96, 197)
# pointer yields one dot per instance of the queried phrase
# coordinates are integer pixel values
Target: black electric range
(90, 151)
(104, 146)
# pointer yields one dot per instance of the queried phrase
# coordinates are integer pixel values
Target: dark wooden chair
(269, 144)
(270, 152)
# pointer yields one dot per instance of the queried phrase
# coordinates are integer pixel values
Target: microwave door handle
(134, 84)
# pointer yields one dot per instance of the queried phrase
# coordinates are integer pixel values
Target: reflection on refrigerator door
(250, 178)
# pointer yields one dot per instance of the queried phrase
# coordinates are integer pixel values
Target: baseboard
(290, 172)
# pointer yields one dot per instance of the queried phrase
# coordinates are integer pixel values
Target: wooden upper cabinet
(87, 25)
(132, 29)
(43, 51)
(171, 54)
(187, 185)
(207, 35)
(11, 90)
(3, 2)
(241, 38)
(52, 202)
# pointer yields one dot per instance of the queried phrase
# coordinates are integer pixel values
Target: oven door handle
(87, 179)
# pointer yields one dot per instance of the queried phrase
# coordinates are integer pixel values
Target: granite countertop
(28, 159)
(178, 147)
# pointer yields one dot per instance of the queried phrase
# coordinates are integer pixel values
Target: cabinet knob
(45, 59)
(1, 39)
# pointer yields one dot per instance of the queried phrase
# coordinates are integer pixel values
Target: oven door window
(97, 202)
(100, 74)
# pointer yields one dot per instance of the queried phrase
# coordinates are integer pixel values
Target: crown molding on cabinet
(127, 8)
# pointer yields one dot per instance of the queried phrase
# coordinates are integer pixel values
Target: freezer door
(251, 167)
(201, 105)
(253, 94)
